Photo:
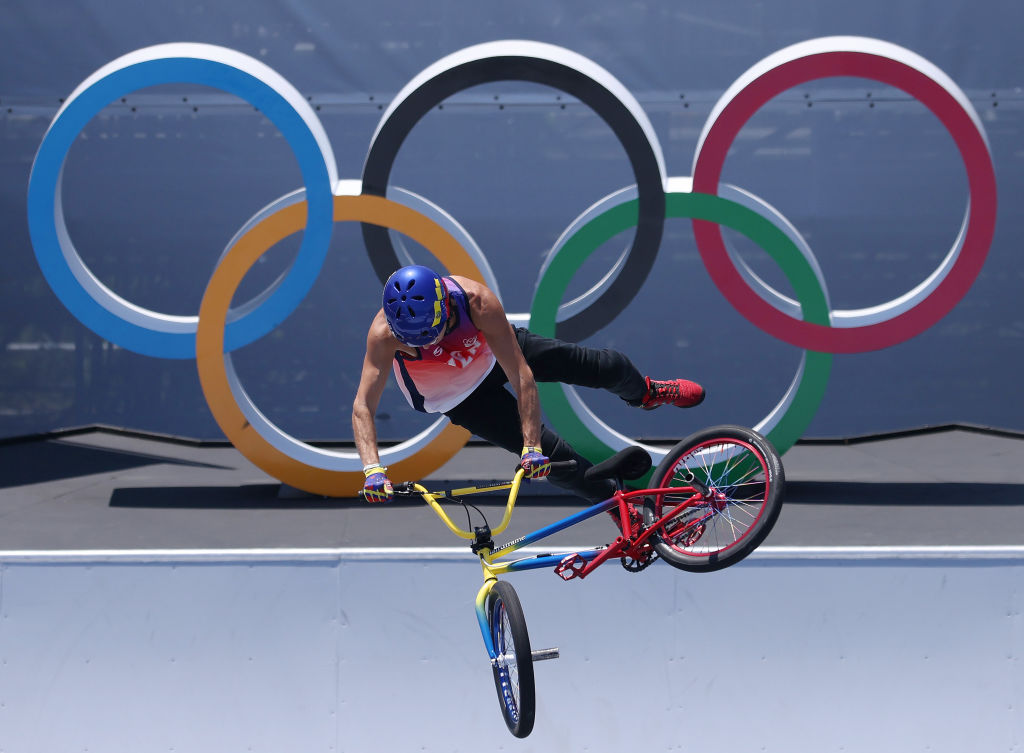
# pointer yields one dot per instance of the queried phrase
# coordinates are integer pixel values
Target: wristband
(371, 468)
(527, 450)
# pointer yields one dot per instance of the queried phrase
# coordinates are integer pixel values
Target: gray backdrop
(157, 184)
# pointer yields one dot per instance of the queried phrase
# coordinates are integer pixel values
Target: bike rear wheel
(513, 670)
(731, 483)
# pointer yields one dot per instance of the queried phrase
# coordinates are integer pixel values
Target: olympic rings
(591, 437)
(574, 74)
(324, 200)
(336, 474)
(910, 314)
(98, 307)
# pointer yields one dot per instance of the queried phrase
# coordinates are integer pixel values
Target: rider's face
(447, 328)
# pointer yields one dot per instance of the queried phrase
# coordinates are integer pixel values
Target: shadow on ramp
(40, 462)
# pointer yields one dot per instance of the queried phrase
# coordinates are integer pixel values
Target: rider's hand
(534, 462)
(378, 486)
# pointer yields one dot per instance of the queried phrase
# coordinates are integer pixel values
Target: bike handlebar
(410, 488)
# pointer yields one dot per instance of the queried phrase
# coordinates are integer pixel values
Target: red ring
(981, 186)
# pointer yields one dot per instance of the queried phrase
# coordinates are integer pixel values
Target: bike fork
(540, 654)
(483, 620)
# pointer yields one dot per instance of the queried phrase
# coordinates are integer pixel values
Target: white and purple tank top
(441, 376)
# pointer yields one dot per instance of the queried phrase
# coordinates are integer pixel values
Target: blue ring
(174, 337)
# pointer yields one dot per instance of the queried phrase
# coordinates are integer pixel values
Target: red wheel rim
(737, 474)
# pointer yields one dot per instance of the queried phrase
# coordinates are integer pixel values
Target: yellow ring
(212, 361)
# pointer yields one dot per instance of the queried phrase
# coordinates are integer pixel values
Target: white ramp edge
(310, 554)
(795, 649)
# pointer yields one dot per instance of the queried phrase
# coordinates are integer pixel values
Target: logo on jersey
(460, 359)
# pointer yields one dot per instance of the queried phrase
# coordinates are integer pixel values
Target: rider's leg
(558, 449)
(492, 413)
(554, 360)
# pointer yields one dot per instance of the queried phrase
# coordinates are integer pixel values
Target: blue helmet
(416, 305)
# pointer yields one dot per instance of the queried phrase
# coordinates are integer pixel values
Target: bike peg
(544, 654)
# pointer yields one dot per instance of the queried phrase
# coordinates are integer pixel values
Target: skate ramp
(795, 649)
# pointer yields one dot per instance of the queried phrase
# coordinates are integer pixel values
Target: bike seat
(628, 464)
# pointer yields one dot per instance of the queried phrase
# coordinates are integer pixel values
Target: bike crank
(636, 565)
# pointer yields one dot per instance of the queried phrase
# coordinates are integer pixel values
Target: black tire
(513, 672)
(747, 481)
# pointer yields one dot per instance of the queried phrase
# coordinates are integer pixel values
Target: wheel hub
(717, 500)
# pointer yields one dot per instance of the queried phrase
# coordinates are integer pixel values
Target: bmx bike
(713, 499)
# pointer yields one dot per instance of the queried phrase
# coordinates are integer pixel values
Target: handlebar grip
(561, 465)
(564, 465)
(403, 489)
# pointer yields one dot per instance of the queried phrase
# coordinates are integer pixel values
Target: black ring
(647, 169)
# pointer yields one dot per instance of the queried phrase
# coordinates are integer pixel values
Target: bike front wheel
(513, 668)
(731, 483)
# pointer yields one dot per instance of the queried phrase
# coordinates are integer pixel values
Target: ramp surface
(854, 650)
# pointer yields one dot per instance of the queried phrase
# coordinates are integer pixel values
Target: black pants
(492, 412)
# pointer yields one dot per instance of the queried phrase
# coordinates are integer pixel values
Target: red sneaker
(681, 392)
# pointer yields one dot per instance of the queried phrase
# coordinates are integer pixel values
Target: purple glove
(534, 462)
(378, 486)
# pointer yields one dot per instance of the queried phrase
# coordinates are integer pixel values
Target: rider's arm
(380, 350)
(489, 317)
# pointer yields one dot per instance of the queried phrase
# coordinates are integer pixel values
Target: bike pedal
(571, 567)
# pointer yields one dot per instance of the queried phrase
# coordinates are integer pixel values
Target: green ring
(557, 399)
